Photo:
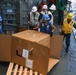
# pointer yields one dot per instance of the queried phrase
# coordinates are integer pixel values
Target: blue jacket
(46, 28)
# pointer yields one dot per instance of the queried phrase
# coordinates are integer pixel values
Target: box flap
(5, 47)
(56, 46)
(52, 63)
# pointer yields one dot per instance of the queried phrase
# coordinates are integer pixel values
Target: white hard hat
(44, 7)
(52, 7)
(34, 9)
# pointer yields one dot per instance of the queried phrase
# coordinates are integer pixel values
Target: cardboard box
(38, 43)
(30, 46)
(5, 47)
(52, 63)
(56, 46)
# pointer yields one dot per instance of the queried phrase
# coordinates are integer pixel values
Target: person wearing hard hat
(44, 11)
(67, 27)
(46, 26)
(43, 2)
(33, 18)
(52, 9)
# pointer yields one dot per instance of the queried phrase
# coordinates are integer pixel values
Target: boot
(66, 49)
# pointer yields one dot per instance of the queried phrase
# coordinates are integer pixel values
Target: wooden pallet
(15, 69)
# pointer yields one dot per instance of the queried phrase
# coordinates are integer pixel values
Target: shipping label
(25, 53)
(29, 63)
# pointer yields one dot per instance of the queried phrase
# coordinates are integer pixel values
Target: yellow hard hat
(70, 15)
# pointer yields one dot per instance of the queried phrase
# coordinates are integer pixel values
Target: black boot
(66, 49)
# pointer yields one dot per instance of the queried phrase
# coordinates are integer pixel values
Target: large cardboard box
(30, 47)
(5, 47)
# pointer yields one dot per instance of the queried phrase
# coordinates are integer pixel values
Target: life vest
(67, 27)
(46, 28)
(34, 19)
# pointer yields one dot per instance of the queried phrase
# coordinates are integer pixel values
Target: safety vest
(67, 28)
(46, 28)
(34, 19)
